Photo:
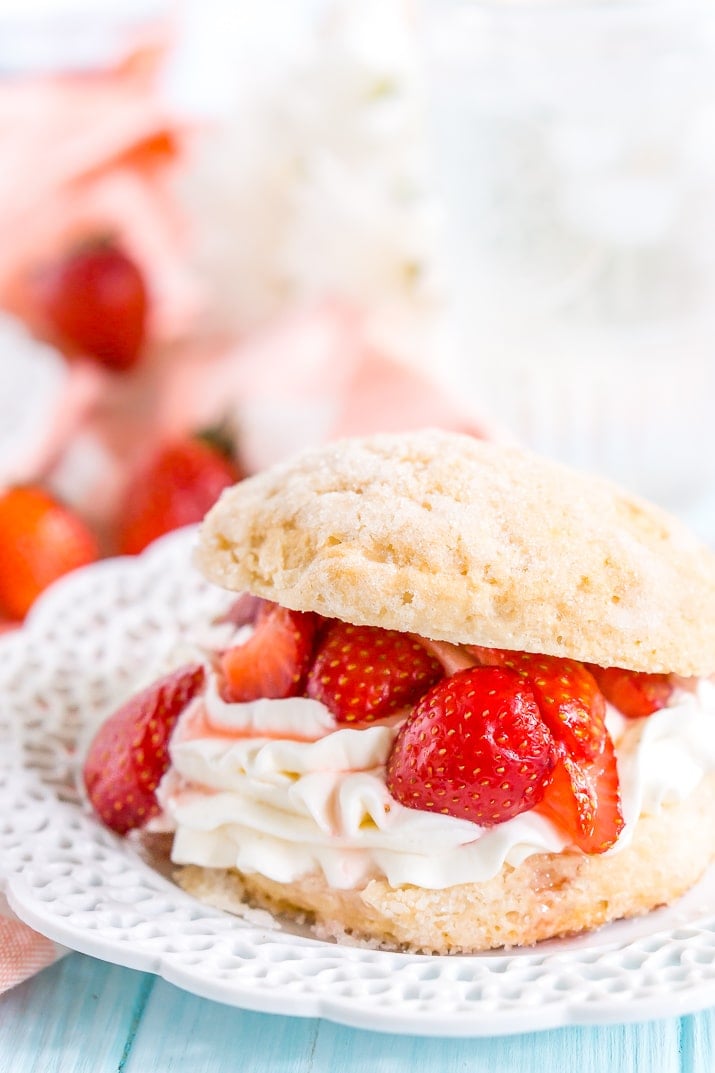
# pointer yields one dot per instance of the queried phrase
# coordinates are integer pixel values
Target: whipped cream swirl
(279, 788)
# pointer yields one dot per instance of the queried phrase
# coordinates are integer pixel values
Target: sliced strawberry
(571, 704)
(583, 800)
(634, 694)
(273, 661)
(129, 753)
(583, 797)
(363, 673)
(244, 610)
(474, 747)
(453, 658)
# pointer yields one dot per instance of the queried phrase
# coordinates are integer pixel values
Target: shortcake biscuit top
(461, 540)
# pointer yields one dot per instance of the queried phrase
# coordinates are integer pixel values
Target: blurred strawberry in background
(91, 154)
(94, 302)
(41, 540)
(298, 310)
(173, 487)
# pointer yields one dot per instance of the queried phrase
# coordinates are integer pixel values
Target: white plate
(90, 641)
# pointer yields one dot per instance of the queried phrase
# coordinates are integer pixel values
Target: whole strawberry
(130, 754)
(41, 540)
(363, 673)
(94, 302)
(474, 747)
(173, 487)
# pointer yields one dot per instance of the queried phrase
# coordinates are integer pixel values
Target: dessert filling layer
(277, 787)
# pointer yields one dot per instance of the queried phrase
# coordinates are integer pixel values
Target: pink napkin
(309, 376)
(312, 375)
(83, 155)
(86, 155)
(23, 952)
(95, 153)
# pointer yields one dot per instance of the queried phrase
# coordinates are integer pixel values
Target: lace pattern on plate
(105, 631)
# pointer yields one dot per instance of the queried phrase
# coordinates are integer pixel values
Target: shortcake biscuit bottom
(548, 895)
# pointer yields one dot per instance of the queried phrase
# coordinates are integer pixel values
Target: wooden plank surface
(83, 1016)
(75, 1017)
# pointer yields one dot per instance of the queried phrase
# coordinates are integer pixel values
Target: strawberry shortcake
(463, 701)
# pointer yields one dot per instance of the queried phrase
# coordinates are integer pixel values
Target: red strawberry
(452, 658)
(41, 539)
(363, 673)
(175, 486)
(244, 610)
(95, 302)
(273, 661)
(633, 693)
(474, 747)
(571, 704)
(129, 753)
(583, 800)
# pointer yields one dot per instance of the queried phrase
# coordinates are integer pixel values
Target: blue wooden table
(85, 1016)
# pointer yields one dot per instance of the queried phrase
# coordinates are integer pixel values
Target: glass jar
(574, 145)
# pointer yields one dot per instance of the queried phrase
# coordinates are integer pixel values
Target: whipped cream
(278, 787)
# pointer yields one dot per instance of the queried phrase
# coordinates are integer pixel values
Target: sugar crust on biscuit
(457, 539)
